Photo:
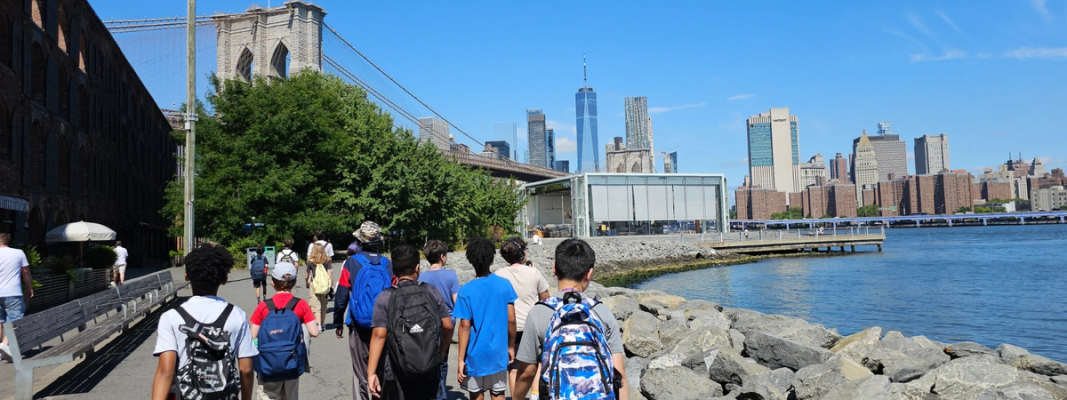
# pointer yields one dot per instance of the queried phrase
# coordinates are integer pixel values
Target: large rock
(654, 307)
(770, 385)
(623, 307)
(672, 331)
(1016, 391)
(966, 380)
(677, 383)
(812, 382)
(858, 345)
(691, 305)
(1039, 365)
(730, 367)
(902, 359)
(919, 389)
(926, 343)
(966, 349)
(635, 367)
(737, 340)
(650, 296)
(695, 350)
(791, 328)
(775, 352)
(875, 387)
(702, 319)
(640, 335)
(1008, 352)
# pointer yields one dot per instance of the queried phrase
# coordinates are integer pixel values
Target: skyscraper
(638, 125)
(931, 154)
(433, 130)
(585, 111)
(670, 163)
(774, 150)
(563, 166)
(839, 169)
(550, 145)
(507, 131)
(866, 170)
(892, 153)
(535, 128)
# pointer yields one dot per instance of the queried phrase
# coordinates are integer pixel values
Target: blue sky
(991, 74)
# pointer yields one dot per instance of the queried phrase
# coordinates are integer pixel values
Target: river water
(990, 285)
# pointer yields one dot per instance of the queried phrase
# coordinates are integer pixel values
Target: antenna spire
(585, 73)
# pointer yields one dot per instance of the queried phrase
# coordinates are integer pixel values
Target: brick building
(891, 195)
(758, 203)
(834, 200)
(919, 191)
(80, 136)
(796, 200)
(953, 191)
(996, 190)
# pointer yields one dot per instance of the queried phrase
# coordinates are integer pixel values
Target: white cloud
(740, 96)
(1049, 53)
(950, 22)
(1039, 6)
(950, 54)
(657, 110)
(1050, 160)
(566, 145)
(911, 156)
(918, 24)
(562, 128)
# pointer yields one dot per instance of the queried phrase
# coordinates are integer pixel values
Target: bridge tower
(270, 42)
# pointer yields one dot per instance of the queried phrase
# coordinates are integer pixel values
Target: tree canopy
(790, 213)
(312, 152)
(870, 210)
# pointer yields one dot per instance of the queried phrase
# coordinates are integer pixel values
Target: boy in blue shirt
(485, 309)
(447, 282)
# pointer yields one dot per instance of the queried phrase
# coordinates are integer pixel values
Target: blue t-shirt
(484, 302)
(446, 282)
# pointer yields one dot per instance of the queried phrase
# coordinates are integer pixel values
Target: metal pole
(190, 123)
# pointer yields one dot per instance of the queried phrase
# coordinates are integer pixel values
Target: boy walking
(447, 282)
(561, 365)
(14, 274)
(279, 372)
(120, 264)
(485, 309)
(411, 322)
(258, 272)
(204, 345)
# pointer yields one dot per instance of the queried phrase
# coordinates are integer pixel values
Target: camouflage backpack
(576, 362)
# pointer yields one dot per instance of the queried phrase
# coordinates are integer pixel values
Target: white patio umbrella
(80, 231)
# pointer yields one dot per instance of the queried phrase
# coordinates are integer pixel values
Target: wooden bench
(96, 318)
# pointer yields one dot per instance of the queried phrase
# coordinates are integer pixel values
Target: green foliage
(32, 255)
(791, 213)
(100, 257)
(58, 265)
(867, 211)
(964, 210)
(239, 250)
(1063, 208)
(825, 216)
(311, 152)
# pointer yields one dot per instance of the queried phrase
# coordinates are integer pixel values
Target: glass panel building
(601, 204)
(588, 145)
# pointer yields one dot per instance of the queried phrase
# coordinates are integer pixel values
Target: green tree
(867, 211)
(825, 216)
(790, 213)
(312, 152)
(1063, 208)
(964, 210)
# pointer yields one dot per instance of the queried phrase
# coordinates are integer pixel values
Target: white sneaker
(5, 353)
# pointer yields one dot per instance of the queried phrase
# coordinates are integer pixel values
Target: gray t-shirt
(537, 325)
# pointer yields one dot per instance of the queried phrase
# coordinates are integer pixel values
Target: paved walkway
(124, 368)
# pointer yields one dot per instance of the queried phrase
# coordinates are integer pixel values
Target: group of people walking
(400, 318)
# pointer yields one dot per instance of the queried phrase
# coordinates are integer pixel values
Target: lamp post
(190, 123)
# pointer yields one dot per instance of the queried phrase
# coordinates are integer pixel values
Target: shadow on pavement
(94, 368)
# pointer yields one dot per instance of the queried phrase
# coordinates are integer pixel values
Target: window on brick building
(37, 73)
(63, 165)
(83, 172)
(39, 13)
(83, 49)
(5, 40)
(63, 38)
(37, 150)
(64, 93)
(6, 136)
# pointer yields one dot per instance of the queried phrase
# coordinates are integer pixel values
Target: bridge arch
(279, 62)
(244, 65)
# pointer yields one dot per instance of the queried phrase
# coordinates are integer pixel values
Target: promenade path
(123, 369)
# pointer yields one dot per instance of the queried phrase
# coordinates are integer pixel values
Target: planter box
(58, 289)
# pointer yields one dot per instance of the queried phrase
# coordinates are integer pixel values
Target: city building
(931, 154)
(621, 159)
(755, 203)
(508, 132)
(563, 166)
(535, 128)
(954, 191)
(498, 149)
(996, 190)
(435, 131)
(890, 151)
(865, 172)
(639, 126)
(920, 194)
(599, 204)
(891, 196)
(1015, 172)
(1053, 198)
(1055, 178)
(81, 138)
(774, 150)
(814, 172)
(670, 163)
(550, 147)
(839, 167)
(586, 121)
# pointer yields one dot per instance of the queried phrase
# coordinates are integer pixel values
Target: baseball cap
(283, 268)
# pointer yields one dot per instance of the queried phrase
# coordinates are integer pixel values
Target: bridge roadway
(503, 168)
(916, 219)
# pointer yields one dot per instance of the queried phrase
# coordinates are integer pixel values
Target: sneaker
(5, 353)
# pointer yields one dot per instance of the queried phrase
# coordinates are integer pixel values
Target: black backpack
(211, 373)
(414, 331)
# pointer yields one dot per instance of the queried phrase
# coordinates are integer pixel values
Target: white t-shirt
(528, 283)
(122, 254)
(292, 254)
(11, 263)
(204, 309)
(327, 245)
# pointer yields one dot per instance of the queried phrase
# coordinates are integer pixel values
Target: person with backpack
(529, 283)
(485, 309)
(288, 254)
(365, 275)
(320, 238)
(556, 323)
(447, 282)
(319, 281)
(277, 329)
(204, 346)
(258, 271)
(412, 324)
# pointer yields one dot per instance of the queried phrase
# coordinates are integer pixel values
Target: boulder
(1060, 380)
(691, 305)
(791, 328)
(729, 367)
(902, 359)
(623, 307)
(1008, 352)
(635, 367)
(874, 387)
(814, 381)
(919, 389)
(737, 340)
(1039, 365)
(858, 345)
(677, 383)
(775, 352)
(640, 335)
(672, 331)
(966, 380)
(770, 385)
(1016, 391)
(669, 300)
(654, 307)
(695, 350)
(925, 343)
(966, 349)
(703, 319)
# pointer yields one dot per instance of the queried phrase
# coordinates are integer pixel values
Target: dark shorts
(424, 388)
(11, 308)
(518, 340)
(259, 282)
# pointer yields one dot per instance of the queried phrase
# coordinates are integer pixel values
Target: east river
(990, 285)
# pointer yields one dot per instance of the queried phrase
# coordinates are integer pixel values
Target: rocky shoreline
(695, 349)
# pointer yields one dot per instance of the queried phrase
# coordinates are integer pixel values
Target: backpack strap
(189, 320)
(220, 322)
(270, 305)
(291, 305)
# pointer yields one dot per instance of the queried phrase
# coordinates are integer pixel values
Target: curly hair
(208, 267)
(513, 250)
(480, 252)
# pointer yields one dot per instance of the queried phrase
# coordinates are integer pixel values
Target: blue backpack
(575, 359)
(258, 268)
(282, 352)
(373, 278)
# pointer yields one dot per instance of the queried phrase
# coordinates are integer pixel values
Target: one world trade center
(585, 110)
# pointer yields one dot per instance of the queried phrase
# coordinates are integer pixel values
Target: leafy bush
(58, 265)
(32, 255)
(239, 250)
(100, 257)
